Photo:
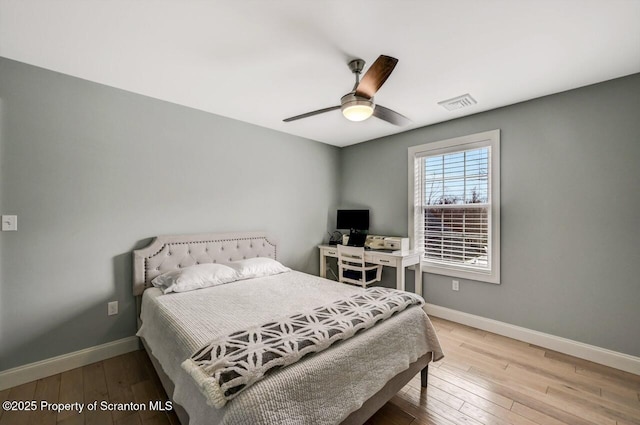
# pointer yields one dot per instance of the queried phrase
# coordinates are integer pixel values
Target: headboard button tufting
(149, 261)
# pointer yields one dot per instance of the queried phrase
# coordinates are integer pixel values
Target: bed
(346, 383)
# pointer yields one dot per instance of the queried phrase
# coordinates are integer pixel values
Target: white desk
(397, 259)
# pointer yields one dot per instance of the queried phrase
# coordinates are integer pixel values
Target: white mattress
(321, 389)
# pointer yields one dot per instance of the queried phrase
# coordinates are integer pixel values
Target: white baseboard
(592, 353)
(33, 371)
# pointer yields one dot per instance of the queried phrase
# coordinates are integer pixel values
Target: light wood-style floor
(484, 379)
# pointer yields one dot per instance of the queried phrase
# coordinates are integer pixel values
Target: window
(454, 218)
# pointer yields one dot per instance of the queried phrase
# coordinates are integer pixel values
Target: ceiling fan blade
(390, 116)
(375, 77)
(310, 114)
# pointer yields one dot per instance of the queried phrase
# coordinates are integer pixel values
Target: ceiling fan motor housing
(356, 108)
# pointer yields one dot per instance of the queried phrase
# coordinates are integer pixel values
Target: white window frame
(489, 139)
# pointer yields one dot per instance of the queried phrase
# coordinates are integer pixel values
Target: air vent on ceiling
(458, 102)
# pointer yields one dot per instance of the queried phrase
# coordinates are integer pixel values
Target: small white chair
(353, 269)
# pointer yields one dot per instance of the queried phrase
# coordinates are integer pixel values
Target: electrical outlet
(455, 285)
(112, 308)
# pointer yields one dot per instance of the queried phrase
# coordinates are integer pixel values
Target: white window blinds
(453, 213)
(455, 207)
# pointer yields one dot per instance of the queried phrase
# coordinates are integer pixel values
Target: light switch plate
(112, 308)
(9, 223)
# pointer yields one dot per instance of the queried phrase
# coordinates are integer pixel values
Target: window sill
(462, 273)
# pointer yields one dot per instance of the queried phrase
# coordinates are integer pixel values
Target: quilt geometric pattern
(228, 365)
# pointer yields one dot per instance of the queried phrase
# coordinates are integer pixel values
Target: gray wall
(93, 172)
(570, 166)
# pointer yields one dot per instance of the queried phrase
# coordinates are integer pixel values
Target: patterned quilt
(228, 365)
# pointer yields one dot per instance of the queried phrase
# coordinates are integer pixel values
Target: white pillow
(257, 267)
(195, 277)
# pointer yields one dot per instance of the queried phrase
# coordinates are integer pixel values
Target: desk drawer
(331, 252)
(379, 259)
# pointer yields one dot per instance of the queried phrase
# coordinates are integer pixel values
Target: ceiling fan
(358, 104)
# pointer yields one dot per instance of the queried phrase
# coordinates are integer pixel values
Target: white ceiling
(265, 60)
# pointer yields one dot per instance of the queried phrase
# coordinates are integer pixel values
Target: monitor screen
(353, 219)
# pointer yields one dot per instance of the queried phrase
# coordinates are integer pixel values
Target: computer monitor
(357, 221)
(353, 219)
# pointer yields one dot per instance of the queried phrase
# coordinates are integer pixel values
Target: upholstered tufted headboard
(167, 253)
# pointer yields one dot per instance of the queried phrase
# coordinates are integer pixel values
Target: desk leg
(323, 265)
(400, 277)
(418, 278)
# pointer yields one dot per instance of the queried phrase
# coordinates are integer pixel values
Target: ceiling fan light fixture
(357, 112)
(356, 108)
